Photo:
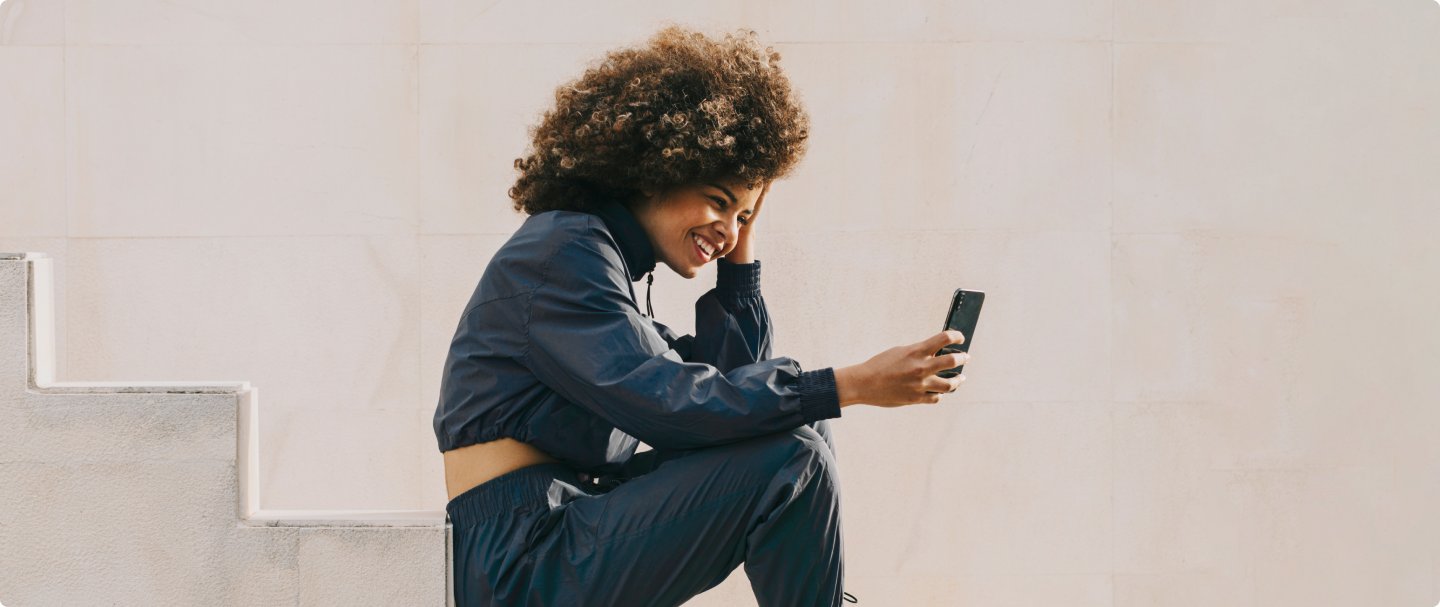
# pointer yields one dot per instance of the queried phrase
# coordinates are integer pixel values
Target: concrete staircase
(146, 493)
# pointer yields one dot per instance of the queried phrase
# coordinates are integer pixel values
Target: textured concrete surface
(330, 289)
(342, 567)
(1206, 230)
(130, 495)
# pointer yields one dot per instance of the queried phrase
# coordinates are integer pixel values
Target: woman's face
(694, 224)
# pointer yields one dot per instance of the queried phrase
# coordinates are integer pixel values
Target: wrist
(744, 251)
(848, 385)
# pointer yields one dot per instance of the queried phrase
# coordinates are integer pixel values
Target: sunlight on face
(694, 224)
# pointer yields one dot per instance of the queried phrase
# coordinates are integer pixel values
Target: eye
(724, 204)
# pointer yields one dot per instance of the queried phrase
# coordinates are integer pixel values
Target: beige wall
(1205, 371)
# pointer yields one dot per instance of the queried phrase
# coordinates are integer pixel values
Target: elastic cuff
(738, 279)
(818, 397)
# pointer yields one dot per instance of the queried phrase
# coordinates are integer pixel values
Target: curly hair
(678, 108)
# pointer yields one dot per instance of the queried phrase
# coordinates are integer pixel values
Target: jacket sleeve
(732, 325)
(586, 340)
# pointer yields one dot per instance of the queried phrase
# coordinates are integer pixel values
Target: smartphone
(964, 311)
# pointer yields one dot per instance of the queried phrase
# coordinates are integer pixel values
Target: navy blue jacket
(554, 351)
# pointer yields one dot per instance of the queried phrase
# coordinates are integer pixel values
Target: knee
(805, 453)
(800, 453)
(822, 428)
(813, 439)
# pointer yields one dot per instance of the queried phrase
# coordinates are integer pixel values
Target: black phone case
(964, 312)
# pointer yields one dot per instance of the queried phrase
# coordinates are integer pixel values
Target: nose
(726, 226)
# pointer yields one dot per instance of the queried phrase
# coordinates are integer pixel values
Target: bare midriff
(469, 467)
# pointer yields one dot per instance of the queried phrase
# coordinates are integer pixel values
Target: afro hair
(679, 108)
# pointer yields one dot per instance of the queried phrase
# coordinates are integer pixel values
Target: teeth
(703, 245)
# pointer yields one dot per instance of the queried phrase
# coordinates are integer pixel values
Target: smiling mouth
(707, 252)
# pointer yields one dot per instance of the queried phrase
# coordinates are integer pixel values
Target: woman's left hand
(744, 251)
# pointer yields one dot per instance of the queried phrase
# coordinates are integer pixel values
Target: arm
(588, 342)
(732, 324)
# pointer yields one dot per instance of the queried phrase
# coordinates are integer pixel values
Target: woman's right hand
(903, 375)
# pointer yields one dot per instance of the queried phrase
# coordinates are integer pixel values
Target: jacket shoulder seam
(466, 313)
(524, 292)
(544, 279)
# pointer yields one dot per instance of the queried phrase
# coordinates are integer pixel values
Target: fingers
(947, 361)
(942, 339)
(755, 210)
(935, 383)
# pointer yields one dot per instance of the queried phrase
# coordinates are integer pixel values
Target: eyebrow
(727, 193)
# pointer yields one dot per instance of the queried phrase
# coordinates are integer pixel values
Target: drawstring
(850, 598)
(649, 280)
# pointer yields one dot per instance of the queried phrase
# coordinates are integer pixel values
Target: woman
(660, 153)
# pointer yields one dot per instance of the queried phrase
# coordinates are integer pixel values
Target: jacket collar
(634, 244)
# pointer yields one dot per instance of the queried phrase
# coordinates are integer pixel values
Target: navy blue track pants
(540, 537)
